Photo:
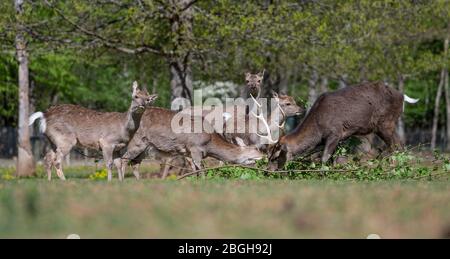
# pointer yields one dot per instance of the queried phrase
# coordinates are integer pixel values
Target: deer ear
(247, 75)
(274, 94)
(261, 74)
(135, 87)
(240, 142)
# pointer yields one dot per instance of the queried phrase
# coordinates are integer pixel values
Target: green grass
(223, 208)
(403, 195)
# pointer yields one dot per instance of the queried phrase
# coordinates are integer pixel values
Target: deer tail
(409, 99)
(43, 121)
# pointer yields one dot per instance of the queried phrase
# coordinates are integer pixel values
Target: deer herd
(147, 132)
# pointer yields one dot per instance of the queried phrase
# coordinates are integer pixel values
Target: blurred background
(89, 52)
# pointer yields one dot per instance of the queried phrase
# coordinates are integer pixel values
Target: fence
(39, 143)
(8, 142)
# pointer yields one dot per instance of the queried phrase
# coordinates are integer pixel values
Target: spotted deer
(67, 126)
(156, 137)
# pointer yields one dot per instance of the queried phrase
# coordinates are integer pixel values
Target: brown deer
(354, 110)
(67, 126)
(253, 83)
(157, 136)
(285, 107)
(239, 126)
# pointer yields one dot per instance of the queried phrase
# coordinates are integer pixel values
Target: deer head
(141, 98)
(249, 154)
(287, 105)
(253, 83)
(275, 155)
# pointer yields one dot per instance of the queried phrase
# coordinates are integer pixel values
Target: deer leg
(59, 156)
(165, 171)
(120, 169)
(183, 166)
(49, 161)
(285, 156)
(135, 154)
(330, 146)
(390, 137)
(197, 157)
(136, 171)
(123, 167)
(135, 163)
(191, 164)
(108, 157)
(194, 165)
(166, 167)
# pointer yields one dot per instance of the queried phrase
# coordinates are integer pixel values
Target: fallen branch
(430, 175)
(264, 170)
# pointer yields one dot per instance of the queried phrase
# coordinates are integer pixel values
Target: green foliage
(77, 48)
(7, 173)
(401, 165)
(99, 174)
(8, 89)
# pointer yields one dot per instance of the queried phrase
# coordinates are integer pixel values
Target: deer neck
(278, 119)
(253, 108)
(223, 150)
(306, 135)
(133, 120)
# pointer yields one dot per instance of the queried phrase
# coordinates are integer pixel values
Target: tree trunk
(401, 124)
(343, 81)
(324, 85)
(363, 74)
(312, 92)
(284, 83)
(25, 163)
(447, 94)
(180, 61)
(436, 111)
(180, 80)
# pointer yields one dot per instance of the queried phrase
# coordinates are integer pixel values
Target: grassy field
(399, 198)
(224, 208)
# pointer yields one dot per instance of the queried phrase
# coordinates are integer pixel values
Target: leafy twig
(263, 170)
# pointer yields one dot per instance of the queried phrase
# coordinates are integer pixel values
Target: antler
(261, 118)
(269, 132)
(282, 114)
(256, 102)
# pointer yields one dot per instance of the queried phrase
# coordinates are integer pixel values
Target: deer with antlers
(260, 132)
(258, 129)
(285, 106)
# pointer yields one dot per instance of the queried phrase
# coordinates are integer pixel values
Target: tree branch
(188, 5)
(107, 42)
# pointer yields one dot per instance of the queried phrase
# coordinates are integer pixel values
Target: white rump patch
(42, 123)
(409, 99)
